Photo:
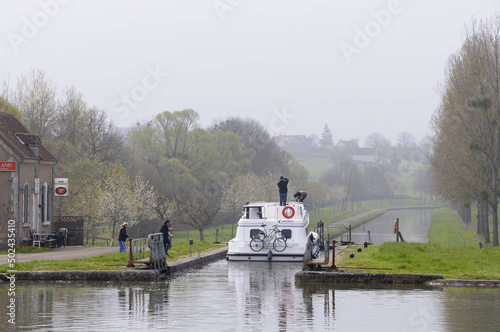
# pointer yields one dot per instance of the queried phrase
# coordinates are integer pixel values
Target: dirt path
(62, 253)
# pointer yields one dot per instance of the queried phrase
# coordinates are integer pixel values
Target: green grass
(112, 261)
(26, 250)
(445, 254)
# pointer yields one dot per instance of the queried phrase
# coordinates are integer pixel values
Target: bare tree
(466, 155)
(36, 98)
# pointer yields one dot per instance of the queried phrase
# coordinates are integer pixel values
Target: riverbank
(140, 273)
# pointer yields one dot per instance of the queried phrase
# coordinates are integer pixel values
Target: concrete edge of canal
(123, 275)
(390, 278)
(365, 278)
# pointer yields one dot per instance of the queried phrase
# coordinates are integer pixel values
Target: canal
(244, 296)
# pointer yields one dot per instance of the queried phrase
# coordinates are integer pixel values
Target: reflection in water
(244, 296)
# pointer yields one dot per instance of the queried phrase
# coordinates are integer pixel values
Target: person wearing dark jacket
(167, 236)
(300, 196)
(283, 189)
(122, 237)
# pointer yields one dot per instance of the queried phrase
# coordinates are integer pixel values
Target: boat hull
(265, 257)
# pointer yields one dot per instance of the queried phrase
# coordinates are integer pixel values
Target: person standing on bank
(283, 188)
(167, 236)
(300, 196)
(122, 237)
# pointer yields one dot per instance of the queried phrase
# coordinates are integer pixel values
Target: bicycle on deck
(272, 237)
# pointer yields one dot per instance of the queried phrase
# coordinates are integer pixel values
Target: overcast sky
(359, 66)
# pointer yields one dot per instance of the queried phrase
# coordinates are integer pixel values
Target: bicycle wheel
(279, 244)
(256, 244)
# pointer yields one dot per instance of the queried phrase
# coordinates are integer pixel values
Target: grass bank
(452, 251)
(112, 261)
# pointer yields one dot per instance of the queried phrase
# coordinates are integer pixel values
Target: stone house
(362, 155)
(294, 144)
(26, 182)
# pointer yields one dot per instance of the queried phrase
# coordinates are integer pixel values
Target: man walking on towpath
(283, 188)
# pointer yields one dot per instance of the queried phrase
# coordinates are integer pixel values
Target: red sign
(8, 166)
(61, 191)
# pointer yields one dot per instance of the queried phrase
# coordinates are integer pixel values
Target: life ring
(287, 214)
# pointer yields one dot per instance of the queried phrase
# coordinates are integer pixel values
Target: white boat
(270, 232)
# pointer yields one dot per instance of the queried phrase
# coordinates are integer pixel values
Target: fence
(138, 248)
(74, 225)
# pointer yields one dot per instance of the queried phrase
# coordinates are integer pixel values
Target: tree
(326, 141)
(466, 154)
(264, 154)
(379, 143)
(118, 204)
(7, 107)
(405, 145)
(99, 138)
(69, 122)
(35, 97)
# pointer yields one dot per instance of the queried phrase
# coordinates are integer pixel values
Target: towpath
(62, 254)
(356, 217)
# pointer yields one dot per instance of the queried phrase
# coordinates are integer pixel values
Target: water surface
(248, 296)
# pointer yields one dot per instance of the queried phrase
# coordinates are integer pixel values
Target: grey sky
(359, 66)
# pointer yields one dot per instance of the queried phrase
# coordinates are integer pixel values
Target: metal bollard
(334, 243)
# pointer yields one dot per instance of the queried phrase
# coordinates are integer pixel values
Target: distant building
(295, 144)
(363, 155)
(26, 182)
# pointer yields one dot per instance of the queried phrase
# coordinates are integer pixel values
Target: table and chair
(52, 240)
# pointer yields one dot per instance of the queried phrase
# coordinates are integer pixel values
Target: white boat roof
(272, 212)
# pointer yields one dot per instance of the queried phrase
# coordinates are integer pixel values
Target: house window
(26, 204)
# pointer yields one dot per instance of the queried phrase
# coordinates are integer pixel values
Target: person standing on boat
(283, 188)
(122, 237)
(167, 236)
(300, 196)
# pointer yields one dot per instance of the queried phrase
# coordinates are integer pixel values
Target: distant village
(298, 145)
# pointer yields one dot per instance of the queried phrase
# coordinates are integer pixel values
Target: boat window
(253, 212)
(287, 233)
(254, 233)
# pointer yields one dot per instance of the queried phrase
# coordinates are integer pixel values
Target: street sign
(61, 187)
(8, 166)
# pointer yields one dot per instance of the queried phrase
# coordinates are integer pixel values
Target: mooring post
(396, 225)
(334, 243)
(131, 259)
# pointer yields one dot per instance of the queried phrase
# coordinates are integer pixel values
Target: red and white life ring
(288, 212)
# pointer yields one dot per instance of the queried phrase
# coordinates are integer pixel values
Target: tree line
(466, 150)
(171, 167)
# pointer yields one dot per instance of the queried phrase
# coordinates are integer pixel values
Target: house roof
(293, 139)
(348, 144)
(19, 139)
